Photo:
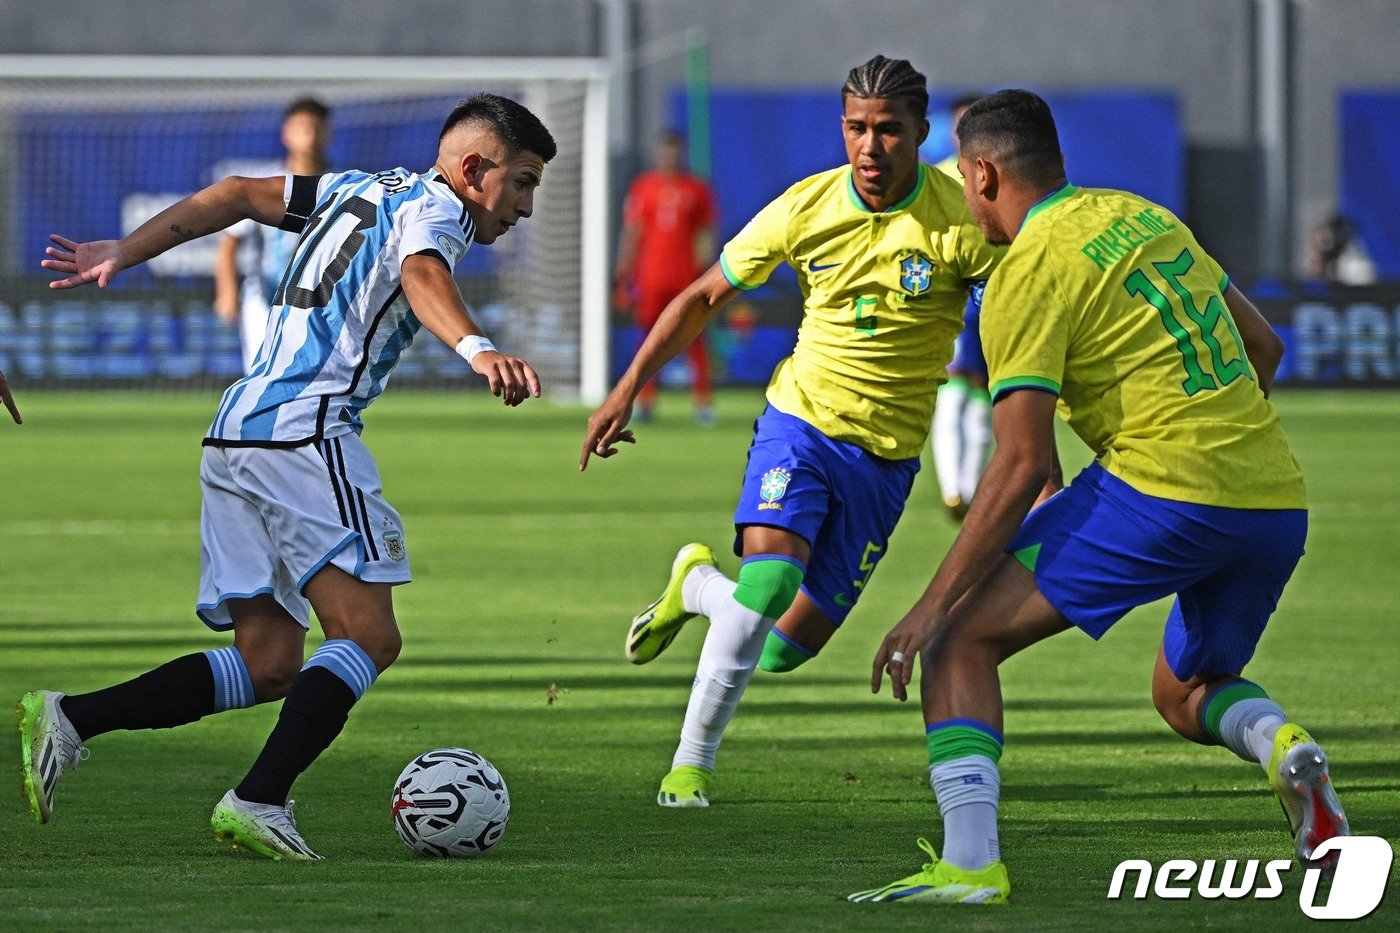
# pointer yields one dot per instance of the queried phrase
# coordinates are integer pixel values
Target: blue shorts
(967, 349)
(1100, 548)
(843, 500)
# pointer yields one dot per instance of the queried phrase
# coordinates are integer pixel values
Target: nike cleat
(262, 828)
(655, 627)
(943, 883)
(1298, 772)
(685, 787)
(49, 747)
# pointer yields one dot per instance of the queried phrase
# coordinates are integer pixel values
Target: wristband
(469, 346)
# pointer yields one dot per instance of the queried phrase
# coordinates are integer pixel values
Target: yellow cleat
(942, 883)
(655, 627)
(685, 786)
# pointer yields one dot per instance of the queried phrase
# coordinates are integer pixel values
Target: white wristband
(469, 346)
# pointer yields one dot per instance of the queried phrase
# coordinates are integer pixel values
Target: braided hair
(888, 78)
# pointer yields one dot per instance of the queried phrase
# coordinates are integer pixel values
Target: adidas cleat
(49, 747)
(943, 883)
(685, 787)
(263, 828)
(1298, 772)
(655, 627)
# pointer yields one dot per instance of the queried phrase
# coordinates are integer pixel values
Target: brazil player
(883, 249)
(962, 419)
(293, 515)
(266, 250)
(1107, 307)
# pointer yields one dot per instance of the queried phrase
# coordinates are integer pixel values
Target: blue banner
(1370, 185)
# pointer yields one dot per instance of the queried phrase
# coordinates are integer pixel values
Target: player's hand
(83, 263)
(511, 379)
(607, 426)
(9, 400)
(898, 651)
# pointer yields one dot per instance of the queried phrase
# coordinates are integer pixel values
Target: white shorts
(272, 517)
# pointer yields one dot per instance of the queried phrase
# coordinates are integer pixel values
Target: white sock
(1248, 728)
(947, 437)
(732, 649)
(695, 583)
(977, 439)
(968, 790)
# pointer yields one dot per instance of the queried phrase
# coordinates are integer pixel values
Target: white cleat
(262, 828)
(49, 748)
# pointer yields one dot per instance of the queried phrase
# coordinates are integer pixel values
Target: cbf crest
(772, 486)
(915, 272)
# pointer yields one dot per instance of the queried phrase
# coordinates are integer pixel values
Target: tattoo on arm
(181, 232)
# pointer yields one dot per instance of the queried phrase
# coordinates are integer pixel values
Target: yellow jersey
(1107, 300)
(883, 297)
(949, 167)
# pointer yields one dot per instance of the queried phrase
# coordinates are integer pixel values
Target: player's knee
(768, 584)
(382, 645)
(1174, 706)
(781, 654)
(272, 676)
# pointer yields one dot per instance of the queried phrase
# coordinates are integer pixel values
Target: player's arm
(8, 400)
(220, 205)
(438, 305)
(627, 252)
(682, 321)
(226, 279)
(1263, 347)
(1021, 466)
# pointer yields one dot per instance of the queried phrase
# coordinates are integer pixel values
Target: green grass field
(526, 574)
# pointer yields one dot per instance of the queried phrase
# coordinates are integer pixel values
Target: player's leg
(976, 427)
(741, 614)
(798, 637)
(962, 704)
(1214, 627)
(948, 441)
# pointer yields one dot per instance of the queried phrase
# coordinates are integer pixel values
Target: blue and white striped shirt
(340, 320)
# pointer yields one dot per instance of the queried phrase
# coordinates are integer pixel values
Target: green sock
(781, 654)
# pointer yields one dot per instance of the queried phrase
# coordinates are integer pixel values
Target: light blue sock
(346, 660)
(233, 687)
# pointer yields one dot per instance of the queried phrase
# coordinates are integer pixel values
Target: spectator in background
(1336, 254)
(306, 131)
(667, 241)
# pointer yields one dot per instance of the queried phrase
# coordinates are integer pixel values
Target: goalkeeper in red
(1106, 307)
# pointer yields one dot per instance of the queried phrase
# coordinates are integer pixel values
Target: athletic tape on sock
(233, 686)
(781, 654)
(1215, 705)
(348, 661)
(957, 738)
(768, 584)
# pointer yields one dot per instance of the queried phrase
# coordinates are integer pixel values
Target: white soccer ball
(450, 802)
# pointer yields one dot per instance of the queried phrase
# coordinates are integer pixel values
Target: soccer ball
(450, 802)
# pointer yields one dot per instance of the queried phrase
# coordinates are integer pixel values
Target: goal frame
(594, 74)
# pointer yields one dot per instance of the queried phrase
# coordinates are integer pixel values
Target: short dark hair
(308, 105)
(1017, 127)
(512, 122)
(890, 78)
(671, 137)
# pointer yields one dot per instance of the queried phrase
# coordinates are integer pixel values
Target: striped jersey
(340, 320)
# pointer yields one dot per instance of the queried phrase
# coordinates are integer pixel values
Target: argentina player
(293, 515)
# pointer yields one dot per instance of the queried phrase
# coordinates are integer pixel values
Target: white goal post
(555, 274)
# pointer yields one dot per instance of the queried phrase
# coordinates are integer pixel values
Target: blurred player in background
(668, 239)
(884, 249)
(1106, 306)
(962, 420)
(293, 515)
(257, 253)
(8, 400)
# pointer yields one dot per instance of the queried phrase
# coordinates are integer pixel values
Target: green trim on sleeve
(734, 279)
(1224, 282)
(1012, 383)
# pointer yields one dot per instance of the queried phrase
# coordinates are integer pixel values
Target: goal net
(90, 147)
